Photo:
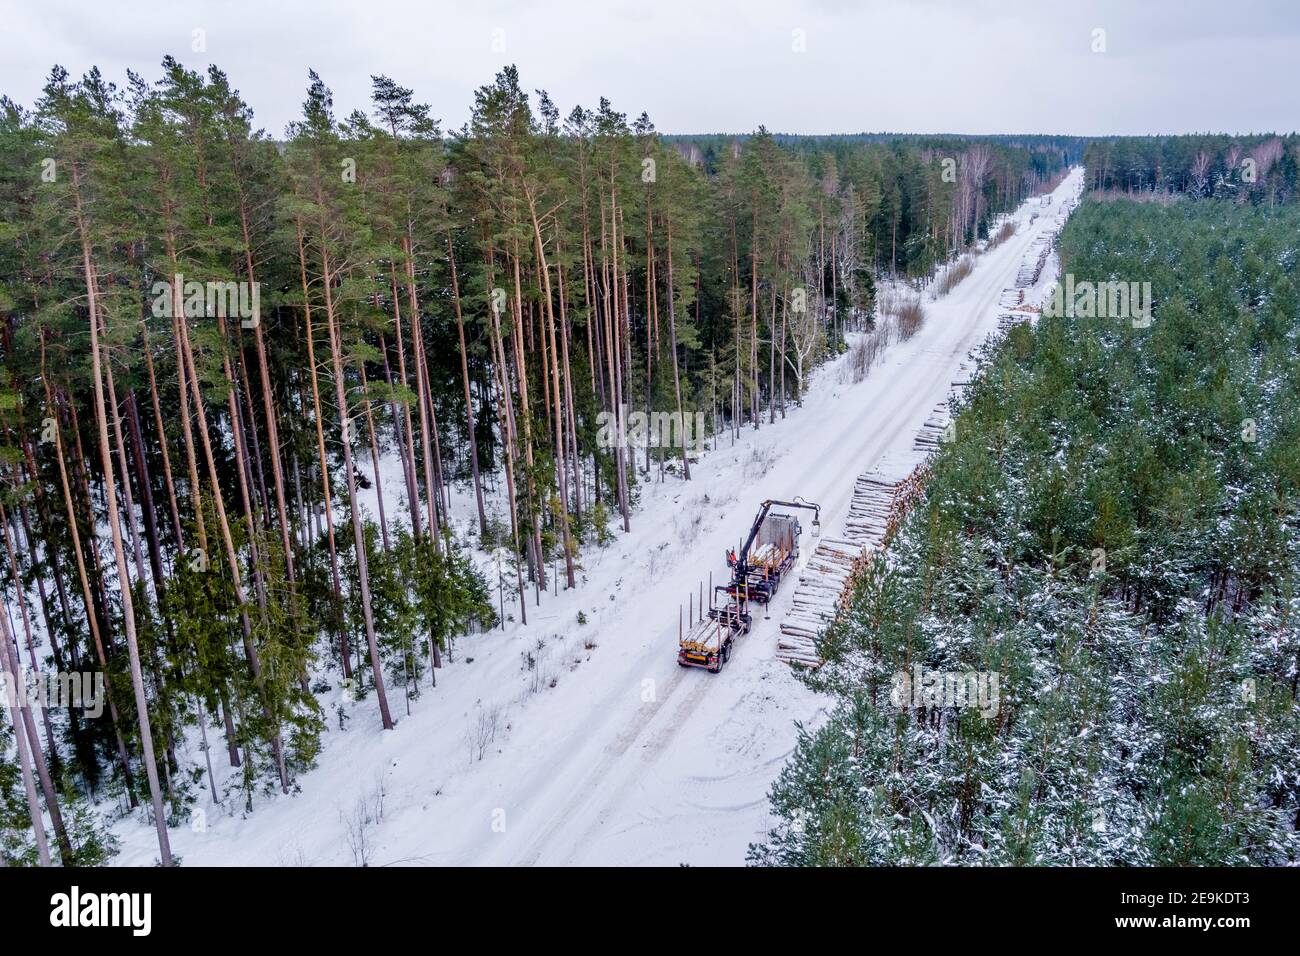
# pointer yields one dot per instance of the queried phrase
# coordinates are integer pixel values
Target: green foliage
(17, 844)
(378, 245)
(449, 594)
(1260, 168)
(1109, 537)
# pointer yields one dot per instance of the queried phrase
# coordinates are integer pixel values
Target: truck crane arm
(742, 557)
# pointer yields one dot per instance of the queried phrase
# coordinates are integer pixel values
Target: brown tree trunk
(374, 456)
(146, 491)
(610, 267)
(672, 342)
(191, 459)
(421, 390)
(469, 403)
(15, 666)
(132, 527)
(568, 386)
(505, 415)
(92, 615)
(412, 491)
(24, 759)
(358, 532)
(521, 373)
(128, 609)
(555, 398)
(753, 313)
(408, 467)
(162, 439)
(268, 401)
(344, 653)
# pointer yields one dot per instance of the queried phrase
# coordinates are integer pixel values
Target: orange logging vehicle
(766, 556)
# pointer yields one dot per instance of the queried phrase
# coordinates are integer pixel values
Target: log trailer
(769, 552)
(708, 643)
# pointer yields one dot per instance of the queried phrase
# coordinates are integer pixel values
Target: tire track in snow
(821, 467)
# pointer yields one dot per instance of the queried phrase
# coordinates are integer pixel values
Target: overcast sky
(820, 66)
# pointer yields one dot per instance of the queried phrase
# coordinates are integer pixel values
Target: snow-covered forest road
(627, 758)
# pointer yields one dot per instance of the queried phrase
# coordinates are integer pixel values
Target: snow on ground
(603, 750)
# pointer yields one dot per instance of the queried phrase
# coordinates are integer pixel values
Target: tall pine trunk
(469, 402)
(358, 531)
(106, 462)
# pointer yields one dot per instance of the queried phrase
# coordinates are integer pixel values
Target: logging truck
(769, 552)
(757, 568)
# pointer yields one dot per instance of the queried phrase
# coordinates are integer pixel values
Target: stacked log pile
(873, 498)
(881, 503)
(1032, 267)
(876, 513)
(821, 588)
(907, 493)
(965, 376)
(931, 434)
(1009, 320)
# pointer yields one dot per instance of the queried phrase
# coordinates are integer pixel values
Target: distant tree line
(1262, 168)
